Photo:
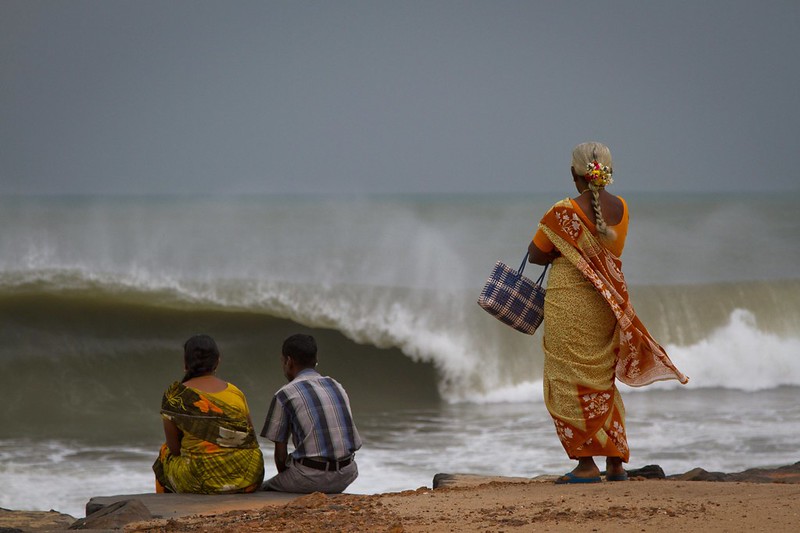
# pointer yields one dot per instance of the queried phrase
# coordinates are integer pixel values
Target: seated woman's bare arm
(173, 435)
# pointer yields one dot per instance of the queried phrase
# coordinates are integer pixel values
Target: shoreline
(649, 501)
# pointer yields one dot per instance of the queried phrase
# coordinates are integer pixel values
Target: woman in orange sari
(591, 333)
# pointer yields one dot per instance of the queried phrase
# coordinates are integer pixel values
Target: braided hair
(593, 161)
(599, 221)
(200, 356)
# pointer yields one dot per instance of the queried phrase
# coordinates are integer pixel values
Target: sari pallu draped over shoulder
(219, 450)
(640, 360)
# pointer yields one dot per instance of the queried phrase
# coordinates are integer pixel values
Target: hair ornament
(598, 175)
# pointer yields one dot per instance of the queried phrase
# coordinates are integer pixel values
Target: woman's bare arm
(538, 257)
(173, 435)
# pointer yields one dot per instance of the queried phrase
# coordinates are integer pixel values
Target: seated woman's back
(210, 446)
(207, 383)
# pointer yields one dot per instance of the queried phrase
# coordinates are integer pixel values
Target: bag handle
(522, 267)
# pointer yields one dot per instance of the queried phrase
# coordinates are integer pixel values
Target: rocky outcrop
(467, 480)
(783, 474)
(18, 521)
(174, 505)
(698, 474)
(115, 516)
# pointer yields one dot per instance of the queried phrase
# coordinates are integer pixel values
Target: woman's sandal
(570, 478)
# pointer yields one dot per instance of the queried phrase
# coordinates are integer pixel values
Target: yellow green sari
(219, 450)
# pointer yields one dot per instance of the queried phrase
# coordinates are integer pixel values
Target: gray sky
(396, 96)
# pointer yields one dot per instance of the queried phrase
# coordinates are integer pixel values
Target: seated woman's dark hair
(302, 349)
(200, 356)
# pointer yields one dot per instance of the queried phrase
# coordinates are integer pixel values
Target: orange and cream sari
(592, 336)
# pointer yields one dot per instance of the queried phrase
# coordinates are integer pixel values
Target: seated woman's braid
(200, 356)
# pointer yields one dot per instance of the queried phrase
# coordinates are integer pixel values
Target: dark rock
(698, 474)
(442, 480)
(647, 472)
(115, 516)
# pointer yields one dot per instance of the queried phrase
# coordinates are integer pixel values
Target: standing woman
(591, 333)
(211, 446)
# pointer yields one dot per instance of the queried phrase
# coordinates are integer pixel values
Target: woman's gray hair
(584, 155)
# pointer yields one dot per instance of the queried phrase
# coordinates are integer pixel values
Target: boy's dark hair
(200, 355)
(302, 349)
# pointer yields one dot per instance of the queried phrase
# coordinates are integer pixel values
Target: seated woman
(211, 446)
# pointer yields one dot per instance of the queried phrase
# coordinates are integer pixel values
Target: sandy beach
(698, 500)
(636, 505)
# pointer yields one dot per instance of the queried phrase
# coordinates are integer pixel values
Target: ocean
(98, 294)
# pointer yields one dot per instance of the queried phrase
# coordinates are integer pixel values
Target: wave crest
(721, 344)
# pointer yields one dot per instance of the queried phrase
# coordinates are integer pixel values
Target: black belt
(324, 465)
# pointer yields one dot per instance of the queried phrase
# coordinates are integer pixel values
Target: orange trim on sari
(640, 360)
(620, 229)
(604, 433)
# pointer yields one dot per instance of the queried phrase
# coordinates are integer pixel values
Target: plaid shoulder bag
(514, 299)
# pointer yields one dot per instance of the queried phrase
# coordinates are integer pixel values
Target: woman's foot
(614, 469)
(585, 472)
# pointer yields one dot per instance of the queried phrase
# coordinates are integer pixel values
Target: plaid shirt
(316, 410)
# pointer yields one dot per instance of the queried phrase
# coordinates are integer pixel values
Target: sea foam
(739, 356)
